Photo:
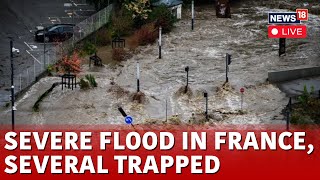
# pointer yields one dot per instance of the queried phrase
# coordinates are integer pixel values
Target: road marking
(91, 10)
(34, 46)
(33, 57)
(28, 46)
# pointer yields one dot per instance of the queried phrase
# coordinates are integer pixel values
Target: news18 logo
(290, 24)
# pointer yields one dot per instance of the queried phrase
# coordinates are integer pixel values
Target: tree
(139, 10)
(70, 64)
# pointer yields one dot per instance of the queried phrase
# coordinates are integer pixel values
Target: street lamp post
(72, 6)
(12, 85)
(44, 48)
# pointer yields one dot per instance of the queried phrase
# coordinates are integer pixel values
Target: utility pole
(12, 85)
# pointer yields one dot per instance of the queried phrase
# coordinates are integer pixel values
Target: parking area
(19, 20)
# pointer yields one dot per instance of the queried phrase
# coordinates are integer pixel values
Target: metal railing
(40, 63)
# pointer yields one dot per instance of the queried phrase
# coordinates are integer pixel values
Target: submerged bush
(89, 48)
(119, 54)
(84, 84)
(92, 80)
(89, 81)
(147, 34)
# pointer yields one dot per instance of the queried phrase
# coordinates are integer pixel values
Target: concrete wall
(280, 76)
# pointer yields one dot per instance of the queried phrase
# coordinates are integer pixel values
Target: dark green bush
(122, 23)
(306, 95)
(50, 69)
(163, 17)
(84, 84)
(89, 48)
(92, 80)
(103, 37)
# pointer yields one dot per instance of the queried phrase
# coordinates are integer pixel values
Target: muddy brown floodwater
(244, 36)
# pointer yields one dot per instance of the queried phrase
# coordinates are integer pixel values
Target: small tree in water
(70, 64)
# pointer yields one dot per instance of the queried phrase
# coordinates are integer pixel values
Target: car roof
(60, 25)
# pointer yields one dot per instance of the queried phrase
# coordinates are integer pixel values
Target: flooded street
(244, 36)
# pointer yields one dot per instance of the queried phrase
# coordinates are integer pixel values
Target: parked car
(57, 32)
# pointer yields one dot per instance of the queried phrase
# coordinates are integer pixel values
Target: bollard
(206, 112)
(122, 112)
(192, 15)
(282, 46)
(138, 77)
(187, 70)
(160, 34)
(228, 62)
(166, 110)
(241, 91)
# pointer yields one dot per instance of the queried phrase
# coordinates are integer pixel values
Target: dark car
(57, 32)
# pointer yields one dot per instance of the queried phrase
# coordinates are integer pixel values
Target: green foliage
(92, 80)
(306, 95)
(50, 69)
(300, 119)
(87, 82)
(139, 10)
(163, 17)
(104, 36)
(147, 34)
(122, 23)
(307, 111)
(84, 84)
(89, 48)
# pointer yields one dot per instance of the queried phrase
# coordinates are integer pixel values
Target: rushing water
(244, 36)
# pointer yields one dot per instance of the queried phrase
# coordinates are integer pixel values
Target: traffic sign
(242, 90)
(128, 119)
